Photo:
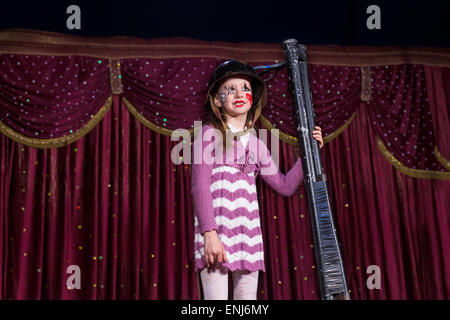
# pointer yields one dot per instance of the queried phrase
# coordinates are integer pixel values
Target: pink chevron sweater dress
(225, 198)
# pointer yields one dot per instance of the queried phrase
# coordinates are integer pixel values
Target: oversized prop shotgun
(328, 257)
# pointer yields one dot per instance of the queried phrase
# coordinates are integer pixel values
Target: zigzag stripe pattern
(230, 232)
(237, 247)
(233, 186)
(228, 169)
(231, 224)
(235, 195)
(236, 256)
(233, 205)
(231, 241)
(232, 177)
(236, 214)
(237, 265)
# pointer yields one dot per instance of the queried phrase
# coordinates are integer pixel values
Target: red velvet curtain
(108, 198)
(391, 220)
(112, 203)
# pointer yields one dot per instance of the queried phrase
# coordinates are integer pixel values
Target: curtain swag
(49, 101)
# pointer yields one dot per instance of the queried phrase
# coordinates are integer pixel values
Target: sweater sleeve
(284, 184)
(201, 184)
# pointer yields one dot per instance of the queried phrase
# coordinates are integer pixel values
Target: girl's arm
(200, 186)
(284, 184)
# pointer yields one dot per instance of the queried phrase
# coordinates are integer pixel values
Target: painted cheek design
(249, 97)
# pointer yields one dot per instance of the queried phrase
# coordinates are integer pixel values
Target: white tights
(215, 284)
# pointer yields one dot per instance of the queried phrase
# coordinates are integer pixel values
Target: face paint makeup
(231, 91)
(249, 97)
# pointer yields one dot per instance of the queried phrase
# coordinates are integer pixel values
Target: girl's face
(235, 96)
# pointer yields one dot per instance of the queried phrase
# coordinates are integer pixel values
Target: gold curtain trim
(445, 163)
(146, 122)
(28, 41)
(415, 173)
(266, 123)
(294, 140)
(60, 141)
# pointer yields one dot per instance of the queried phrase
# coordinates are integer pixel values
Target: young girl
(228, 235)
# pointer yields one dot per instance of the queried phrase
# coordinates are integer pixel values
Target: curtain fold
(386, 218)
(107, 198)
(111, 203)
(438, 89)
(168, 94)
(50, 101)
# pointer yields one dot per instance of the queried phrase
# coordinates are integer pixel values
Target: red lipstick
(239, 103)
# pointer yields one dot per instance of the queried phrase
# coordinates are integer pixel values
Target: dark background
(343, 22)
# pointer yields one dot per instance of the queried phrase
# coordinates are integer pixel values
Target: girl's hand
(214, 250)
(317, 134)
